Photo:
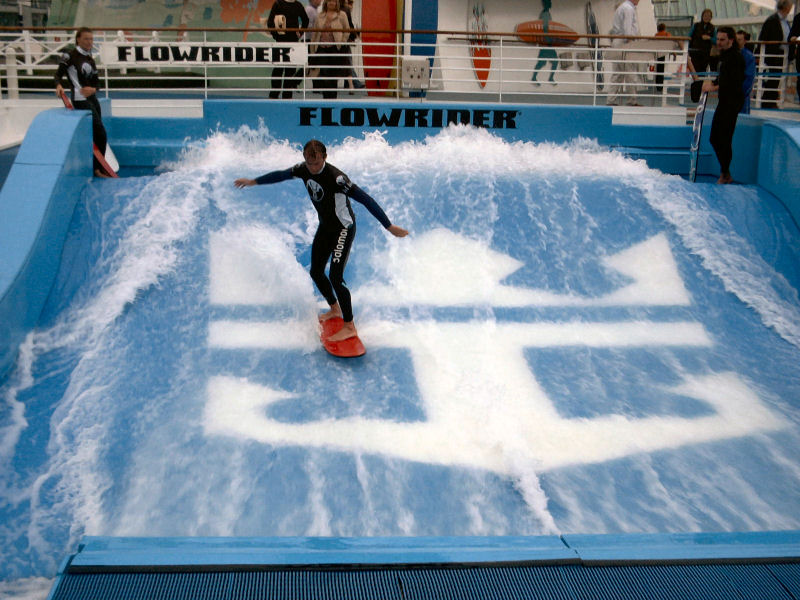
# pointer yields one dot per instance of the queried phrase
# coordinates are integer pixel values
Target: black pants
(722, 127)
(333, 244)
(700, 59)
(99, 136)
(331, 64)
(770, 95)
(660, 73)
(283, 81)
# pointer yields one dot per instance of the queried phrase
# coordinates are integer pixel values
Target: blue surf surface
(568, 341)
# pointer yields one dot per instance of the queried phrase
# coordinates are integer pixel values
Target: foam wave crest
(726, 254)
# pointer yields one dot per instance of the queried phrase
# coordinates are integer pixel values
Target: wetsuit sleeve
(275, 176)
(362, 197)
(63, 65)
(749, 72)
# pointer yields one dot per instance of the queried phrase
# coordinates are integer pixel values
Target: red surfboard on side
(479, 49)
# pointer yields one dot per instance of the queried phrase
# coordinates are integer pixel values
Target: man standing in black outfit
(285, 14)
(81, 71)
(775, 29)
(731, 97)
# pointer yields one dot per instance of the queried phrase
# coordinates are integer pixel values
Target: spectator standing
(625, 23)
(742, 37)
(794, 48)
(775, 29)
(703, 37)
(731, 96)
(285, 14)
(330, 32)
(81, 71)
(351, 80)
(661, 31)
(312, 10)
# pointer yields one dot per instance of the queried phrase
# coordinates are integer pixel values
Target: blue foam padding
(109, 551)
(36, 204)
(658, 547)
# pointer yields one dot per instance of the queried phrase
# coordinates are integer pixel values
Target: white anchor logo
(520, 422)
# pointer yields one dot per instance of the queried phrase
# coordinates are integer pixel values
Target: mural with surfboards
(564, 55)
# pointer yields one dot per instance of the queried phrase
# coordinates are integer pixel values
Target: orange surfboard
(349, 348)
(557, 34)
(481, 62)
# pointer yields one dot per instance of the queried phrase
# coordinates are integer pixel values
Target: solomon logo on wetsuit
(330, 191)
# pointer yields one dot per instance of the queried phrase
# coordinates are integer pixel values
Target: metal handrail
(581, 71)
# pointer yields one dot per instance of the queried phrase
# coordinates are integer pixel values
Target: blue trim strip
(104, 552)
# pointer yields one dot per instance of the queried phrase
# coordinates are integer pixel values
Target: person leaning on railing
(703, 37)
(327, 61)
(81, 71)
(775, 29)
(351, 80)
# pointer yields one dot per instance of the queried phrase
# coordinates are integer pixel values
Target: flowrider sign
(150, 53)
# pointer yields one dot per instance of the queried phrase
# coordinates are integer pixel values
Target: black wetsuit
(330, 191)
(79, 67)
(731, 99)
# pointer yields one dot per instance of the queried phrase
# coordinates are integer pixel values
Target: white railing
(238, 63)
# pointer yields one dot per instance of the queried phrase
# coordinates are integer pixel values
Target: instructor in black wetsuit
(330, 191)
(81, 71)
(731, 98)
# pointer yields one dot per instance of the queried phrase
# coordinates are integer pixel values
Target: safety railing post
(27, 51)
(120, 39)
(595, 68)
(11, 73)
(155, 38)
(685, 58)
(500, 89)
(784, 78)
(105, 69)
(759, 77)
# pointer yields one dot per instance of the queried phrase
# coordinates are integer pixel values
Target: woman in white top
(327, 49)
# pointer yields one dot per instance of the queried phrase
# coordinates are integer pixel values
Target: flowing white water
(545, 351)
